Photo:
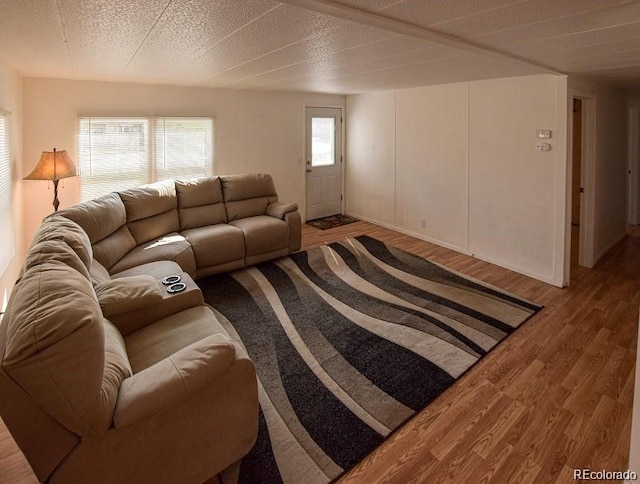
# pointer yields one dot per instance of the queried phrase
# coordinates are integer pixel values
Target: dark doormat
(331, 222)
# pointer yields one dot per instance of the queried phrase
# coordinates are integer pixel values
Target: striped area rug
(349, 341)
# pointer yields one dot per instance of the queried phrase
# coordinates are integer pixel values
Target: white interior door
(324, 162)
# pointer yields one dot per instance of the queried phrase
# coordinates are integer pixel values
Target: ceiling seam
(378, 20)
(301, 62)
(548, 50)
(291, 80)
(490, 10)
(133, 56)
(253, 20)
(64, 36)
(547, 20)
(296, 77)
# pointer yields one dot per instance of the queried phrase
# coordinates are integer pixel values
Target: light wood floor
(555, 396)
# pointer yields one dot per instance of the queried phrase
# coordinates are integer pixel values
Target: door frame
(303, 161)
(633, 164)
(588, 182)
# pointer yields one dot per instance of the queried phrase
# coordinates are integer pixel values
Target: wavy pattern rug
(349, 341)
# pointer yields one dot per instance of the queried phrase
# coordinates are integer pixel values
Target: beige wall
(254, 131)
(370, 156)
(457, 165)
(11, 100)
(431, 162)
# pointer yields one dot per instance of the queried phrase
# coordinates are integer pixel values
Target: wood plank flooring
(555, 396)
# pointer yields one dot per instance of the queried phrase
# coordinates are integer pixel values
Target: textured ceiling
(343, 46)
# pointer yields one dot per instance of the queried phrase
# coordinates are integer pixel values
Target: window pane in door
(323, 141)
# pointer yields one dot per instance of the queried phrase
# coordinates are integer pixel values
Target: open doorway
(576, 182)
(579, 242)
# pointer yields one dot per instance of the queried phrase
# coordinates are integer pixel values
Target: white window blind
(182, 147)
(113, 154)
(120, 153)
(6, 184)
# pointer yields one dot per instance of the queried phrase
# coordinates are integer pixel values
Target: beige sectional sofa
(206, 225)
(107, 377)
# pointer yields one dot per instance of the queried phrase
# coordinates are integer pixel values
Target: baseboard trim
(446, 245)
(534, 275)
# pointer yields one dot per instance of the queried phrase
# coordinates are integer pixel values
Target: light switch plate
(543, 133)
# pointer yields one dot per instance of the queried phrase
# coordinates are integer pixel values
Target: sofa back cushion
(104, 221)
(56, 348)
(53, 250)
(248, 194)
(200, 202)
(57, 227)
(152, 210)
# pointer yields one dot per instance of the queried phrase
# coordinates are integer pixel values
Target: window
(120, 153)
(182, 148)
(6, 183)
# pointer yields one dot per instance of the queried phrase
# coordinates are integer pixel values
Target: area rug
(331, 222)
(349, 341)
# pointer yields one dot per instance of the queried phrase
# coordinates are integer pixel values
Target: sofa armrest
(295, 230)
(127, 294)
(173, 380)
(168, 304)
(280, 209)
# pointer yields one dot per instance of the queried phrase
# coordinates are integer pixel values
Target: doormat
(331, 222)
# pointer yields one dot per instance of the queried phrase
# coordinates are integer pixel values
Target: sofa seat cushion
(160, 340)
(216, 244)
(263, 234)
(157, 269)
(172, 246)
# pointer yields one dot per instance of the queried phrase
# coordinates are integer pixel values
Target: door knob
(309, 170)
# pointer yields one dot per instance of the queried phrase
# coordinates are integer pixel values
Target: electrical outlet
(543, 147)
(543, 133)
(423, 224)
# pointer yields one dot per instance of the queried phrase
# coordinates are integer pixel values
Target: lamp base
(56, 202)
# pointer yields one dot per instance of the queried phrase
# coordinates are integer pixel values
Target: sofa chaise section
(173, 401)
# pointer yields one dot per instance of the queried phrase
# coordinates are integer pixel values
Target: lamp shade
(53, 165)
